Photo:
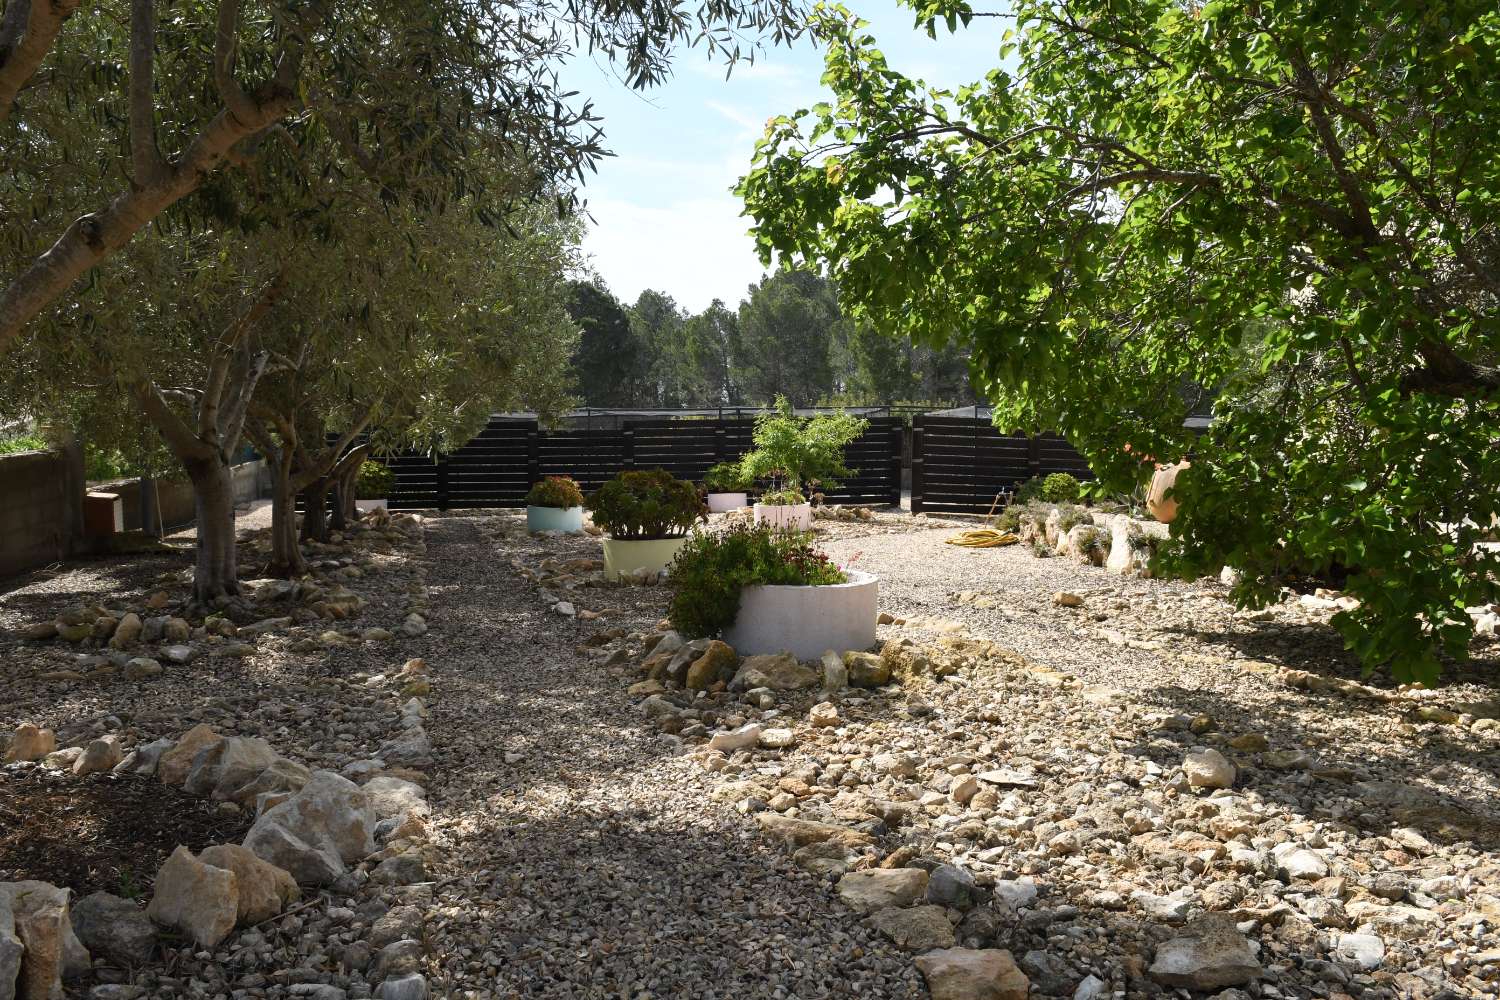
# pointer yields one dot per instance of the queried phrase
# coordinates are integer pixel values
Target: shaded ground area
(102, 832)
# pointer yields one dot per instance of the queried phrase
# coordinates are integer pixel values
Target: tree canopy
(1289, 205)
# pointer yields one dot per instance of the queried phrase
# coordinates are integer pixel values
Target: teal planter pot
(569, 519)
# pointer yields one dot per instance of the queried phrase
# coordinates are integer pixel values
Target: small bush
(1060, 488)
(555, 491)
(782, 498)
(1028, 492)
(726, 477)
(799, 453)
(1010, 518)
(375, 481)
(642, 505)
(1041, 549)
(17, 443)
(711, 570)
(1070, 516)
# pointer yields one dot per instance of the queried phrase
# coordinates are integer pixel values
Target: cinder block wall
(34, 510)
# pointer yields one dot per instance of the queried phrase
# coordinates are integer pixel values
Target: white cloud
(695, 250)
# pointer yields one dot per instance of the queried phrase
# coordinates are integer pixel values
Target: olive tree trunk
(215, 574)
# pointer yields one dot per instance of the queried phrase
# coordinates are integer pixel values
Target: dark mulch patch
(102, 832)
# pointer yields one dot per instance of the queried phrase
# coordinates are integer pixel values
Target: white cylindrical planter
(723, 503)
(568, 519)
(806, 621)
(623, 556)
(365, 506)
(785, 516)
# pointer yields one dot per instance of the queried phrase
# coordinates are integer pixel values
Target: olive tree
(1287, 205)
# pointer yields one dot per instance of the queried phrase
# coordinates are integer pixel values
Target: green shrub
(1060, 488)
(782, 498)
(375, 481)
(726, 477)
(1071, 515)
(1028, 492)
(14, 444)
(646, 504)
(1041, 549)
(555, 491)
(711, 570)
(799, 454)
(1009, 519)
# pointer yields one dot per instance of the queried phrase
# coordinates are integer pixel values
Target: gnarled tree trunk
(215, 575)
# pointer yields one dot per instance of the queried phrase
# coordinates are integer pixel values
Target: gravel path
(589, 858)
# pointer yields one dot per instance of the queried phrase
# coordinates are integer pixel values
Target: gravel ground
(584, 847)
(589, 858)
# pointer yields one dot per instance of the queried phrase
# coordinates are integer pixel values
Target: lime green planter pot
(624, 556)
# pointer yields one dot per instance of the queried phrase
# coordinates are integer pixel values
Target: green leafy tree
(658, 323)
(1289, 203)
(182, 95)
(610, 362)
(711, 343)
(787, 325)
(801, 454)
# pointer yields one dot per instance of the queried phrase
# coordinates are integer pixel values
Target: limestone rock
(796, 832)
(143, 760)
(114, 928)
(916, 928)
(879, 888)
(102, 754)
(835, 674)
(823, 714)
(175, 764)
(261, 889)
(779, 672)
(314, 834)
(224, 767)
(1211, 955)
(11, 950)
(391, 796)
(283, 778)
(1207, 768)
(716, 664)
(198, 899)
(39, 913)
(743, 738)
(970, 974)
(30, 742)
(867, 670)
(127, 632)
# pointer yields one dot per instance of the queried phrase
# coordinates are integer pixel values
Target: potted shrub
(555, 504)
(765, 590)
(796, 456)
(646, 517)
(373, 486)
(726, 487)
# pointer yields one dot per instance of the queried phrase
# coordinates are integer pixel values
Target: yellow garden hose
(983, 538)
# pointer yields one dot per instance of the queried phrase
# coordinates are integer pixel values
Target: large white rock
(198, 899)
(222, 768)
(1207, 768)
(175, 764)
(316, 833)
(1211, 955)
(391, 796)
(973, 974)
(779, 672)
(878, 888)
(39, 914)
(30, 742)
(261, 889)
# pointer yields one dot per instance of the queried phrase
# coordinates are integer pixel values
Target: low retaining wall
(41, 513)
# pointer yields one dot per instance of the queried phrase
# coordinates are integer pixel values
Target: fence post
(916, 466)
(533, 456)
(721, 440)
(898, 438)
(627, 448)
(1034, 455)
(442, 481)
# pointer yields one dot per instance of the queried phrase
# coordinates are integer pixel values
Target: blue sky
(664, 215)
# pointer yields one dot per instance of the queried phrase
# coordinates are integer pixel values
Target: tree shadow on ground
(1359, 771)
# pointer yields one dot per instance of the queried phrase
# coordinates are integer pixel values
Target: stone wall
(40, 508)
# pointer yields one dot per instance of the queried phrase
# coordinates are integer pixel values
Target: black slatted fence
(497, 468)
(960, 464)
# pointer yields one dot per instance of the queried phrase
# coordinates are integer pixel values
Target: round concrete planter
(806, 621)
(624, 556)
(786, 517)
(365, 506)
(569, 519)
(723, 503)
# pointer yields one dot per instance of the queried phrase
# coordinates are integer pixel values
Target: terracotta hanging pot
(1162, 508)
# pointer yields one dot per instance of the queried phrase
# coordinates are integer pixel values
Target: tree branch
(175, 431)
(1447, 374)
(28, 30)
(145, 158)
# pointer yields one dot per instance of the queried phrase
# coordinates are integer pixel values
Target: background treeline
(787, 337)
